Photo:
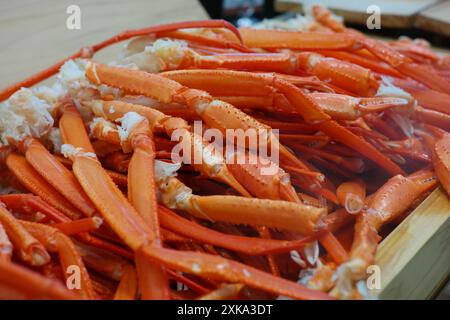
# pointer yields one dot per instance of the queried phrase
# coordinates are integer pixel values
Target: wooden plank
(435, 19)
(34, 33)
(415, 258)
(394, 13)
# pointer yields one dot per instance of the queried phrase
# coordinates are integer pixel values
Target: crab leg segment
(56, 241)
(352, 195)
(55, 173)
(23, 283)
(248, 245)
(28, 247)
(142, 195)
(36, 184)
(216, 267)
(278, 214)
(276, 39)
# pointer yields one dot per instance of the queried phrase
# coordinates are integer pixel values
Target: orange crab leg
(290, 216)
(142, 195)
(28, 247)
(56, 241)
(352, 195)
(305, 105)
(433, 117)
(29, 284)
(89, 51)
(28, 202)
(56, 174)
(276, 39)
(363, 61)
(128, 285)
(36, 184)
(216, 267)
(434, 100)
(71, 119)
(6, 247)
(248, 245)
(79, 226)
(211, 43)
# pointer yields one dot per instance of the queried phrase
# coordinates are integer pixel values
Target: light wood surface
(394, 13)
(34, 33)
(435, 19)
(415, 257)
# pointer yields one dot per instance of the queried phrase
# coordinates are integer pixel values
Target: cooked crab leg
(79, 226)
(352, 195)
(28, 247)
(391, 200)
(128, 285)
(248, 245)
(305, 105)
(440, 149)
(89, 51)
(222, 84)
(142, 195)
(135, 226)
(36, 184)
(216, 267)
(279, 214)
(56, 241)
(19, 282)
(215, 113)
(212, 163)
(56, 174)
(6, 247)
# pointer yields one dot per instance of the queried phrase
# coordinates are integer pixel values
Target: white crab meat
(24, 115)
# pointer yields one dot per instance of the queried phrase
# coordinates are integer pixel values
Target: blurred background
(429, 19)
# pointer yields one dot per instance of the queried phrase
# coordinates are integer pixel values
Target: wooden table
(34, 33)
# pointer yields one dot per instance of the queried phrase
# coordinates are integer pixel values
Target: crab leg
(6, 247)
(305, 105)
(23, 283)
(290, 216)
(56, 241)
(216, 267)
(128, 285)
(36, 184)
(89, 51)
(215, 113)
(212, 164)
(391, 200)
(79, 226)
(28, 247)
(56, 174)
(142, 195)
(26, 203)
(248, 245)
(352, 196)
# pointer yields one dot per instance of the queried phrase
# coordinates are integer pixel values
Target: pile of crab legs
(367, 116)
